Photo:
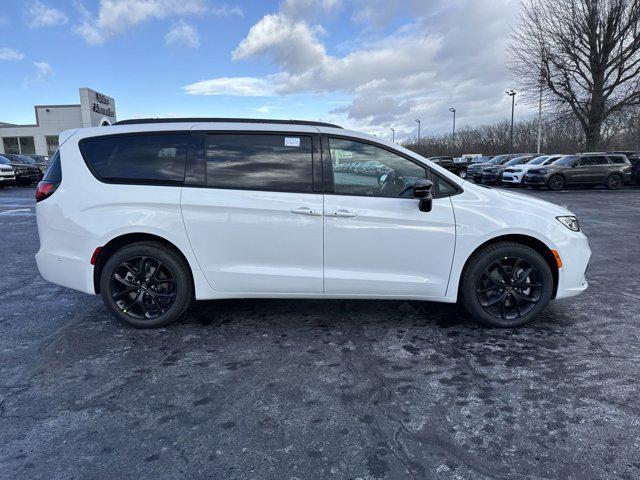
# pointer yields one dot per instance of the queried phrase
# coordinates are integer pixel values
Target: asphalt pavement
(282, 389)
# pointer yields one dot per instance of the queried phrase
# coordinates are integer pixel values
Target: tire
(614, 181)
(462, 173)
(478, 290)
(556, 182)
(150, 297)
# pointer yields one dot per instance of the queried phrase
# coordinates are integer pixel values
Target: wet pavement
(281, 389)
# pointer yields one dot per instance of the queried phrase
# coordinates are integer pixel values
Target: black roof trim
(136, 121)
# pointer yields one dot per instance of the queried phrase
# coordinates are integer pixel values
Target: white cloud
(182, 34)
(225, 10)
(7, 53)
(237, 86)
(41, 15)
(43, 70)
(452, 54)
(116, 16)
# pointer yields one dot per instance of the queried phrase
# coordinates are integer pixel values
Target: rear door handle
(342, 213)
(306, 211)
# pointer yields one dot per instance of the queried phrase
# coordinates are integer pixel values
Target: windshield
(26, 159)
(568, 160)
(518, 161)
(498, 159)
(539, 160)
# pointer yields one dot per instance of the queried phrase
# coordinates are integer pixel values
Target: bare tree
(584, 55)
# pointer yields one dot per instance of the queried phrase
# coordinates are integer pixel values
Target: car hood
(528, 201)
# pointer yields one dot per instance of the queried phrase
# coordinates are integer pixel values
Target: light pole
(418, 120)
(512, 94)
(453, 134)
(393, 135)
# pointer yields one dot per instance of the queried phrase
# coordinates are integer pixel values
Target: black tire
(477, 287)
(556, 182)
(614, 181)
(462, 173)
(148, 293)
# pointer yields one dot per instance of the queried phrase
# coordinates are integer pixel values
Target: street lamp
(512, 94)
(418, 120)
(393, 135)
(453, 134)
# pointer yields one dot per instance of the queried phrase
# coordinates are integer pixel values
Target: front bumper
(512, 177)
(575, 253)
(533, 179)
(490, 177)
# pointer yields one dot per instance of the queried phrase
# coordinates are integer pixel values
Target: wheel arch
(523, 239)
(120, 241)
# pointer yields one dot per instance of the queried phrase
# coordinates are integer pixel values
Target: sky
(369, 65)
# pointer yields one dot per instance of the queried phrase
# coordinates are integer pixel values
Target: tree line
(560, 134)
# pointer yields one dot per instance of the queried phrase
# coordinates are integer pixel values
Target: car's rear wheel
(506, 285)
(146, 285)
(556, 182)
(462, 173)
(614, 181)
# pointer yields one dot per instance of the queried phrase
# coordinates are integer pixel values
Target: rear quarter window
(137, 158)
(618, 160)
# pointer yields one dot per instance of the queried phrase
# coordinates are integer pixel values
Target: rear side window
(617, 159)
(593, 161)
(280, 163)
(54, 171)
(144, 158)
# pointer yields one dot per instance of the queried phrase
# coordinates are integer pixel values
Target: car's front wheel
(506, 285)
(462, 173)
(146, 285)
(556, 182)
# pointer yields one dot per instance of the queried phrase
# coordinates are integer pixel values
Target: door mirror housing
(423, 189)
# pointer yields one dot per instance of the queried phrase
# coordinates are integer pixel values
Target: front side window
(145, 158)
(281, 163)
(363, 169)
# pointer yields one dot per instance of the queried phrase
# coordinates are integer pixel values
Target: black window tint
(594, 161)
(363, 169)
(148, 158)
(618, 159)
(54, 171)
(280, 163)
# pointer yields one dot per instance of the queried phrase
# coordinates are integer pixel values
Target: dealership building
(95, 109)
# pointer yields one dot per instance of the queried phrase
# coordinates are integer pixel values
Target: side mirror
(423, 189)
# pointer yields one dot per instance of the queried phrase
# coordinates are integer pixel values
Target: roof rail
(136, 121)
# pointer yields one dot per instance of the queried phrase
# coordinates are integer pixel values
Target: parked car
(459, 169)
(151, 214)
(587, 169)
(7, 174)
(492, 175)
(24, 171)
(513, 175)
(41, 165)
(634, 158)
(475, 169)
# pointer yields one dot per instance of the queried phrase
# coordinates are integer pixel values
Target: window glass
(52, 144)
(11, 145)
(280, 163)
(54, 171)
(593, 161)
(442, 188)
(362, 169)
(617, 159)
(146, 158)
(27, 145)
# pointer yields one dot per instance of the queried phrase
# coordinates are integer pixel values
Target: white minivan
(152, 214)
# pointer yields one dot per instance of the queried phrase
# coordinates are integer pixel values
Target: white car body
(7, 174)
(241, 243)
(518, 172)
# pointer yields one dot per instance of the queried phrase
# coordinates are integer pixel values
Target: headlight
(570, 222)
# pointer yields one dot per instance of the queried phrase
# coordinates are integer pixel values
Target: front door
(376, 240)
(255, 226)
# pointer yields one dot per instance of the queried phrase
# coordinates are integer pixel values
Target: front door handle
(342, 213)
(306, 211)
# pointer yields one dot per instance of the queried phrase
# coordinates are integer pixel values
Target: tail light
(45, 190)
(51, 180)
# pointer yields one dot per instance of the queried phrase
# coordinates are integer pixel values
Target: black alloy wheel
(506, 284)
(509, 288)
(146, 284)
(614, 181)
(556, 182)
(143, 287)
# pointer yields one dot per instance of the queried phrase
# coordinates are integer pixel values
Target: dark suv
(493, 174)
(451, 165)
(589, 169)
(25, 172)
(475, 169)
